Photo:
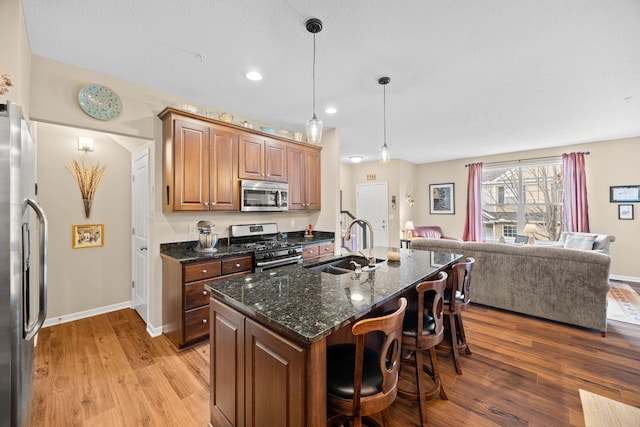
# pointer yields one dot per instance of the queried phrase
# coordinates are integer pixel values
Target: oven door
(258, 196)
(278, 262)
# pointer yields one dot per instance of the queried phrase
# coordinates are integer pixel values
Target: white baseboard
(84, 314)
(624, 278)
(153, 331)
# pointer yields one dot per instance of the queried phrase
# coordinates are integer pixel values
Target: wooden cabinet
(200, 166)
(262, 159)
(317, 250)
(204, 161)
(185, 301)
(304, 177)
(256, 375)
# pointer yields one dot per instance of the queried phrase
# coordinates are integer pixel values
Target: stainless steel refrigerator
(23, 265)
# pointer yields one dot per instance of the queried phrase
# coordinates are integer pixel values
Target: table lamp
(408, 229)
(530, 229)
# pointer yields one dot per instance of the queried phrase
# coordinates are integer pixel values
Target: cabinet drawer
(201, 270)
(195, 295)
(310, 251)
(237, 264)
(325, 249)
(196, 323)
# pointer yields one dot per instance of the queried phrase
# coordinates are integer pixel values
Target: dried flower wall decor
(88, 179)
(6, 82)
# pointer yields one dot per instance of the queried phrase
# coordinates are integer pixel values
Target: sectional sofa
(555, 283)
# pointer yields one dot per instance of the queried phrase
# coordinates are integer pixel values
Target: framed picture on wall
(441, 199)
(627, 193)
(87, 235)
(625, 211)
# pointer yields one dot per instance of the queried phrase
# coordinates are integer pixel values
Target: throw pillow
(580, 241)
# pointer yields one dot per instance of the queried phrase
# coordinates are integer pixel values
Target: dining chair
(363, 380)
(422, 330)
(456, 300)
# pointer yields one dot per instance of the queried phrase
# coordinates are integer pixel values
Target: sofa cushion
(580, 241)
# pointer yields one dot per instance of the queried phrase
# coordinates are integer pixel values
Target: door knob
(143, 248)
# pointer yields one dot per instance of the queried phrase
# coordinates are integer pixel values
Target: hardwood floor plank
(523, 372)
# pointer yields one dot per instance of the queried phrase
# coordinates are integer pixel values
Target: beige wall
(15, 55)
(610, 163)
(87, 278)
(398, 176)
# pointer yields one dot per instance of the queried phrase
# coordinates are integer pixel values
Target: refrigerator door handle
(31, 331)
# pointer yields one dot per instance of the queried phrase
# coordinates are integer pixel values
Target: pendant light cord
(384, 111)
(314, 75)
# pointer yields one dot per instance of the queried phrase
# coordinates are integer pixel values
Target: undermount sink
(343, 265)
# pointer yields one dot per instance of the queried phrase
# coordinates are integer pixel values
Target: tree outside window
(516, 195)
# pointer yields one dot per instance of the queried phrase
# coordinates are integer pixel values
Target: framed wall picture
(625, 211)
(625, 193)
(441, 199)
(87, 235)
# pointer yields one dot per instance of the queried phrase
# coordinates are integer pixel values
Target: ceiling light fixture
(314, 125)
(254, 76)
(356, 159)
(331, 110)
(385, 153)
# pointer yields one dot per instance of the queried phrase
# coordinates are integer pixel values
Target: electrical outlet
(193, 229)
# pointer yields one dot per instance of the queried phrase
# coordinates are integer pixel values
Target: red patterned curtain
(575, 216)
(473, 227)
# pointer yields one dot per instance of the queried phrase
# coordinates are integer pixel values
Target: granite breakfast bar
(269, 332)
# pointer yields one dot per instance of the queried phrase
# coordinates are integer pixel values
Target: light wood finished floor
(106, 371)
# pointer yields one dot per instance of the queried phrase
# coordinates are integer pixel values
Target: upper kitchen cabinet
(262, 158)
(304, 177)
(200, 165)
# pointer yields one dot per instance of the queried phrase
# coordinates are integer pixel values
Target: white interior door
(140, 233)
(371, 204)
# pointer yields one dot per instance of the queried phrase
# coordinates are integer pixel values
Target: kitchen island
(269, 332)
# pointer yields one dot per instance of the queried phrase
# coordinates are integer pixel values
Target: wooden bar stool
(422, 330)
(361, 380)
(456, 300)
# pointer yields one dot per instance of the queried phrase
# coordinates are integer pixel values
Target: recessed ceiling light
(254, 76)
(356, 159)
(331, 110)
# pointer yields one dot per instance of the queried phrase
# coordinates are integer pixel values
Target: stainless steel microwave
(264, 196)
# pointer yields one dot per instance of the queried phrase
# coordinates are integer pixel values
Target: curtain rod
(586, 153)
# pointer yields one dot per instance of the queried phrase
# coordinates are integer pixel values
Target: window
(513, 196)
(509, 230)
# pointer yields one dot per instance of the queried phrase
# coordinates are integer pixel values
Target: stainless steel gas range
(269, 252)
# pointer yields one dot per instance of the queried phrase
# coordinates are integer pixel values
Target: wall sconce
(410, 200)
(393, 202)
(85, 144)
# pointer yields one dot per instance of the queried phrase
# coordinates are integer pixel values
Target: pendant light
(314, 125)
(385, 153)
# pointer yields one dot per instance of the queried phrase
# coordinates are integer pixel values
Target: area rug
(600, 411)
(623, 303)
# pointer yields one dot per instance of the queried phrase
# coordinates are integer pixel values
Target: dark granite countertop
(307, 305)
(183, 251)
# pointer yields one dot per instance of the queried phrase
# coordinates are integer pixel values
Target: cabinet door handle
(204, 271)
(206, 203)
(204, 321)
(205, 293)
(237, 265)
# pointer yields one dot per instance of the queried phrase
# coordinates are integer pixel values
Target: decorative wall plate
(100, 102)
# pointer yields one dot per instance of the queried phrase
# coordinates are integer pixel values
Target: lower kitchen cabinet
(317, 250)
(185, 301)
(256, 375)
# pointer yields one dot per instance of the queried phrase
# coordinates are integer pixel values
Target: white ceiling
(468, 77)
